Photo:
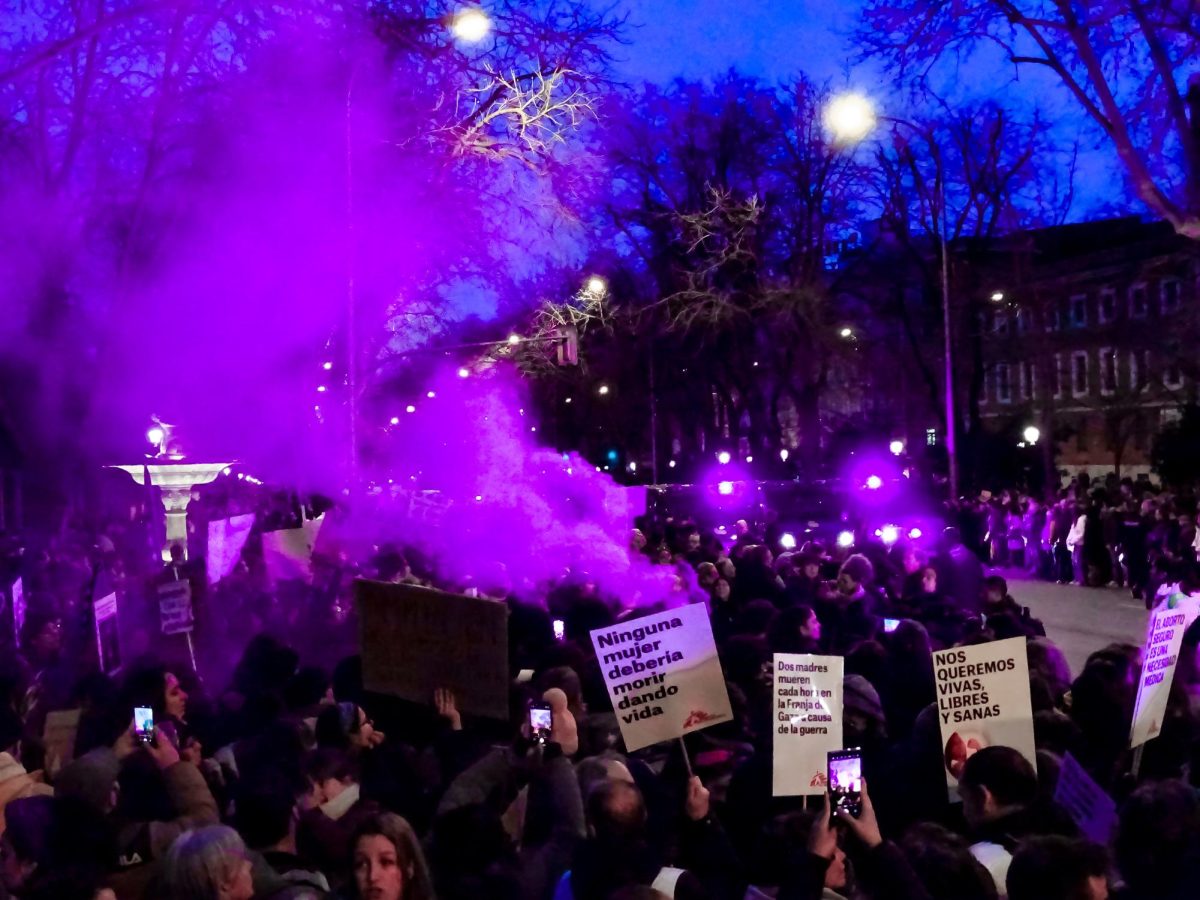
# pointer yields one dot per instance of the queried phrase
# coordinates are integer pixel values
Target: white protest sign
(1085, 802)
(288, 553)
(226, 538)
(983, 701)
(175, 607)
(663, 675)
(108, 641)
(1163, 639)
(808, 721)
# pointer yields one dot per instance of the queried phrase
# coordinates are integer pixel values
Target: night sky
(776, 39)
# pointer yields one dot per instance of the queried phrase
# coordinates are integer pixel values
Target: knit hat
(860, 697)
(859, 568)
(91, 778)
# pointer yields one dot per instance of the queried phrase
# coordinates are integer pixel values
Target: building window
(1106, 308)
(1170, 296)
(1078, 309)
(1079, 373)
(1052, 317)
(1003, 383)
(1108, 370)
(1139, 370)
(1028, 381)
(1056, 377)
(1137, 301)
(1172, 375)
(930, 437)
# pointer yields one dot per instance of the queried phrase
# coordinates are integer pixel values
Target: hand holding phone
(143, 724)
(845, 780)
(540, 722)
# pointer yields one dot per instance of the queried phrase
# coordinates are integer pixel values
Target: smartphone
(890, 625)
(143, 724)
(560, 630)
(539, 722)
(845, 780)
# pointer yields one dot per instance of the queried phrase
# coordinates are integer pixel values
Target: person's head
(910, 560)
(388, 861)
(856, 572)
(929, 584)
(810, 567)
(329, 773)
(808, 624)
(265, 811)
(995, 782)
(208, 864)
(995, 589)
(943, 862)
(345, 726)
(26, 842)
(1158, 829)
(707, 575)
(42, 635)
(155, 687)
(1058, 868)
(693, 541)
(616, 813)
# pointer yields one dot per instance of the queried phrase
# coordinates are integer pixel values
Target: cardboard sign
(226, 539)
(663, 675)
(108, 635)
(175, 607)
(1085, 802)
(59, 737)
(415, 640)
(288, 553)
(1163, 639)
(808, 721)
(983, 701)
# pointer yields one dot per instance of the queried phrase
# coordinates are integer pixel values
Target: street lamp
(850, 118)
(471, 25)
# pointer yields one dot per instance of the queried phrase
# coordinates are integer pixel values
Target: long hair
(419, 884)
(201, 860)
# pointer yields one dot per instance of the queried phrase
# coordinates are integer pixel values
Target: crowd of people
(1119, 532)
(280, 777)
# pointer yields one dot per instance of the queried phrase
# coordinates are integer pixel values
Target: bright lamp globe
(471, 25)
(849, 118)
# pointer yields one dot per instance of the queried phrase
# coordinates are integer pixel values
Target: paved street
(1081, 620)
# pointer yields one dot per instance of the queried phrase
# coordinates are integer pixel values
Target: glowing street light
(849, 118)
(1032, 434)
(471, 25)
(897, 447)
